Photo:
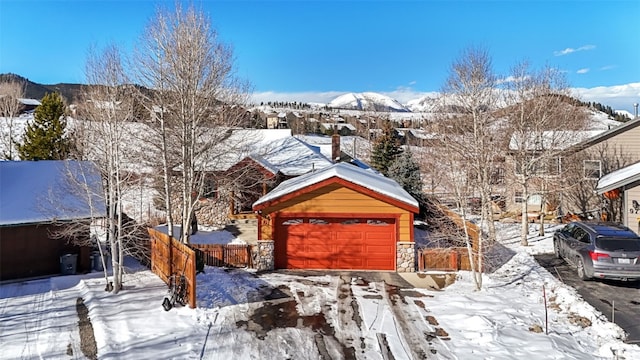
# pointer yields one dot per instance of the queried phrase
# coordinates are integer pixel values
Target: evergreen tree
(44, 138)
(405, 170)
(386, 148)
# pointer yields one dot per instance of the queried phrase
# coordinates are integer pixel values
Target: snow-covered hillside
(423, 104)
(367, 101)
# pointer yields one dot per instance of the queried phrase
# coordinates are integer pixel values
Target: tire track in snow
(412, 340)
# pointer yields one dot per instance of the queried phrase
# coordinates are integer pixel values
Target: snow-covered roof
(619, 178)
(45, 191)
(609, 133)
(32, 102)
(276, 148)
(350, 173)
(550, 140)
(338, 126)
(347, 144)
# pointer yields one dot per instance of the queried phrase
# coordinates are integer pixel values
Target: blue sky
(323, 48)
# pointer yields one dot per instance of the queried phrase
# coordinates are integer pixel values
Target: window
(581, 236)
(540, 166)
(535, 199)
(518, 199)
(350, 222)
(592, 169)
(379, 222)
(292, 222)
(497, 176)
(318, 222)
(210, 189)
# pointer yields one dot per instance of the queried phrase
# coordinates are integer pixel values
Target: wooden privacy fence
(171, 257)
(453, 258)
(445, 259)
(229, 255)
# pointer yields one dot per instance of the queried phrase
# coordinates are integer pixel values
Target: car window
(612, 244)
(581, 235)
(569, 229)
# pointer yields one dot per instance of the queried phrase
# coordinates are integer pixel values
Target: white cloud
(572, 50)
(583, 71)
(510, 79)
(619, 97)
(608, 67)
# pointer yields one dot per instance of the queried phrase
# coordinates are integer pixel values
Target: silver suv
(599, 250)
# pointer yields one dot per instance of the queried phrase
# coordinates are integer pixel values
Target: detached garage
(340, 217)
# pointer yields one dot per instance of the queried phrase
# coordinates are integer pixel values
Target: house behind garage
(38, 199)
(339, 217)
(624, 183)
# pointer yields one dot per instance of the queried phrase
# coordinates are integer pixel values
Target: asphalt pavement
(604, 295)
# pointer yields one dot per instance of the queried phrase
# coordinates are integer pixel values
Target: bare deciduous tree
(10, 94)
(542, 123)
(195, 94)
(471, 139)
(102, 136)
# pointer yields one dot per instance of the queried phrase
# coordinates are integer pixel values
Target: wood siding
(29, 251)
(628, 142)
(337, 199)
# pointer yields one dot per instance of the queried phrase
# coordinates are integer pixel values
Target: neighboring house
(39, 199)
(257, 160)
(417, 137)
(28, 105)
(345, 148)
(343, 129)
(272, 121)
(339, 217)
(567, 181)
(625, 184)
(544, 155)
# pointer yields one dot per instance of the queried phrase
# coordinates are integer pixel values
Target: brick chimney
(335, 147)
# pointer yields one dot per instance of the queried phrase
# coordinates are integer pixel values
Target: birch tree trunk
(191, 72)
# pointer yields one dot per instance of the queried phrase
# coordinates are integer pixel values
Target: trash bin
(68, 264)
(96, 261)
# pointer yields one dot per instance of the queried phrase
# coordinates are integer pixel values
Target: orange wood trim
(345, 183)
(411, 228)
(338, 215)
(259, 227)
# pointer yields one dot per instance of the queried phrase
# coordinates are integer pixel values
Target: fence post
(453, 260)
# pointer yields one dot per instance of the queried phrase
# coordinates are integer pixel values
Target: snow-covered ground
(280, 315)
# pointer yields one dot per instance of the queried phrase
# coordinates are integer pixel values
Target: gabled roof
(277, 149)
(338, 126)
(603, 136)
(348, 175)
(550, 140)
(48, 191)
(619, 178)
(32, 102)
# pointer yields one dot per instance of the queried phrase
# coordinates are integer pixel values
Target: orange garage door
(334, 243)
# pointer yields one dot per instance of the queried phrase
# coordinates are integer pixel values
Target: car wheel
(556, 249)
(581, 273)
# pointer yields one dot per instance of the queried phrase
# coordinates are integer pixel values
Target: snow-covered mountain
(423, 104)
(367, 101)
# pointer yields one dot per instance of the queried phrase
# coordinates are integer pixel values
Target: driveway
(604, 295)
